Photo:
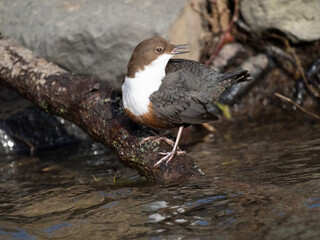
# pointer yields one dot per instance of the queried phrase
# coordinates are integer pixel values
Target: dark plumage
(189, 91)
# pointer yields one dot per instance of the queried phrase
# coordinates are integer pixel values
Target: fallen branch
(93, 106)
(297, 105)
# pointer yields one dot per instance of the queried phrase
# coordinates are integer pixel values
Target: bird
(164, 93)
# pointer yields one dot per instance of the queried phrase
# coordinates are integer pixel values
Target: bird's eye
(159, 49)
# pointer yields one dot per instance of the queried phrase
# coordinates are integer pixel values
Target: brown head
(149, 50)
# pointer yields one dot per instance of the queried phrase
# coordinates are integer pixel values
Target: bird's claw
(176, 153)
(168, 157)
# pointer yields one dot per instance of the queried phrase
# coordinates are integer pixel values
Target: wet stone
(24, 127)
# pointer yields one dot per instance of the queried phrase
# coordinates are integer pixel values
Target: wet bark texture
(93, 106)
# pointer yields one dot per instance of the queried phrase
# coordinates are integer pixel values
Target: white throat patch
(136, 91)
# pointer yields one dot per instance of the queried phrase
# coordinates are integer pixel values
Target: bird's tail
(236, 77)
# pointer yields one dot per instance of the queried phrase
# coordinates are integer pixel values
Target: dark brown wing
(189, 91)
(173, 103)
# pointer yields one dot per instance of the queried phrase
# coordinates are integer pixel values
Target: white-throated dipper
(164, 93)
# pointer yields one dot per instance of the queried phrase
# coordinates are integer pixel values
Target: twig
(226, 35)
(297, 105)
(312, 89)
(203, 14)
(223, 14)
(215, 23)
(32, 148)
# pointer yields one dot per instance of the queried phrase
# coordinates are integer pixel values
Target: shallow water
(262, 183)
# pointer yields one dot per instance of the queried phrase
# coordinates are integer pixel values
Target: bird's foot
(168, 156)
(158, 139)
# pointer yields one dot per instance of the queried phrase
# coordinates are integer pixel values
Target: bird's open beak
(178, 49)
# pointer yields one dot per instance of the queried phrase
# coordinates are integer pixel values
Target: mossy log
(94, 107)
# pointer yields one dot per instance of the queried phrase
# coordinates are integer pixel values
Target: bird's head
(153, 50)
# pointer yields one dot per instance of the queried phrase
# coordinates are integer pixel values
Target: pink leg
(169, 155)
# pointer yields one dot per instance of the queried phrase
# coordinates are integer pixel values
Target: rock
(230, 55)
(237, 56)
(97, 37)
(257, 66)
(25, 128)
(298, 19)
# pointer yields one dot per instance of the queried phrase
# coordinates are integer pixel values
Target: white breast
(136, 91)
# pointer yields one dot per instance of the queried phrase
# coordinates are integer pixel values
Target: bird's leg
(169, 155)
(158, 138)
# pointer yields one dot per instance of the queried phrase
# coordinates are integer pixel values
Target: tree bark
(94, 107)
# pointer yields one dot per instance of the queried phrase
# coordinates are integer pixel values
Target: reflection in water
(52, 229)
(6, 142)
(262, 183)
(15, 233)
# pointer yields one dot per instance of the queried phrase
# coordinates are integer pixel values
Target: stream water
(263, 182)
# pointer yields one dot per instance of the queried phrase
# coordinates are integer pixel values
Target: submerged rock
(257, 66)
(25, 127)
